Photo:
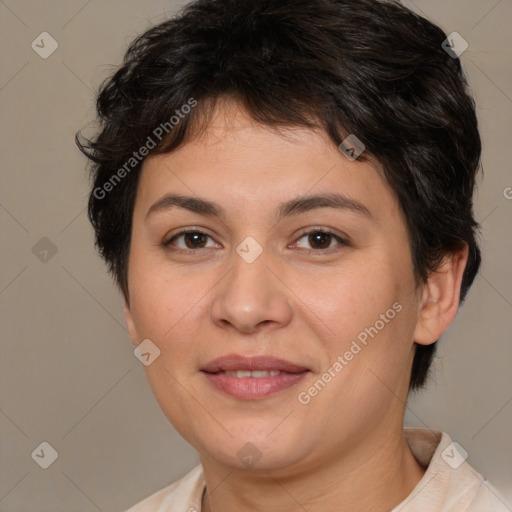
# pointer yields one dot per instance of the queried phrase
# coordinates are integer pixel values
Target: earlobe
(128, 317)
(440, 298)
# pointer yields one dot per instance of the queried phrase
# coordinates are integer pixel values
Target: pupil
(196, 237)
(322, 239)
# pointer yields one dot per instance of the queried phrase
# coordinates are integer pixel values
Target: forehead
(236, 160)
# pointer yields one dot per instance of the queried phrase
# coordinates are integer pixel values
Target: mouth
(252, 378)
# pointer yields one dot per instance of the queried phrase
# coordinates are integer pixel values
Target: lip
(233, 362)
(252, 388)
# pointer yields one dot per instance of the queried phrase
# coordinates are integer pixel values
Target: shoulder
(183, 495)
(450, 483)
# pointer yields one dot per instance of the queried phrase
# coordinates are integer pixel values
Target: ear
(128, 317)
(440, 298)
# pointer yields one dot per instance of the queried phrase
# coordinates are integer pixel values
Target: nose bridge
(250, 294)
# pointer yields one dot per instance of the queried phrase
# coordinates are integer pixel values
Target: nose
(251, 297)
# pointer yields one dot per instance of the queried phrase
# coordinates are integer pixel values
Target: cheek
(159, 304)
(168, 307)
(352, 298)
(368, 317)
(153, 294)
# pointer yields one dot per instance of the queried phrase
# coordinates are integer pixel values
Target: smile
(252, 378)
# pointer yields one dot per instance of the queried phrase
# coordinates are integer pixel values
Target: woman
(283, 193)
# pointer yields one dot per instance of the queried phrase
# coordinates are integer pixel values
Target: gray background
(68, 375)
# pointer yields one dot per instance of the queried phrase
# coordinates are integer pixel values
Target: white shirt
(449, 484)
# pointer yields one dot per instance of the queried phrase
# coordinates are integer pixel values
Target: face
(315, 298)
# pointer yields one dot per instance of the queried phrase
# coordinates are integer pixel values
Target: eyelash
(341, 241)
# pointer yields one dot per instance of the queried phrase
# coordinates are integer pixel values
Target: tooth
(259, 373)
(243, 374)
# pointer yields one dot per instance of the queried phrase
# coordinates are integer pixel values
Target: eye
(322, 240)
(192, 239)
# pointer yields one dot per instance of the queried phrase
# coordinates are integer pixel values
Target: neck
(376, 474)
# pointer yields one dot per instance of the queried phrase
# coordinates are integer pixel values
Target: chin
(249, 445)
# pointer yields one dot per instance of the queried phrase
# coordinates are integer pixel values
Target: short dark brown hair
(365, 67)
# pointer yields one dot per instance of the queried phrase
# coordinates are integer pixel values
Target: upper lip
(235, 362)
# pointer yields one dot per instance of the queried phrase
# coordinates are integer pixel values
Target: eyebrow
(292, 207)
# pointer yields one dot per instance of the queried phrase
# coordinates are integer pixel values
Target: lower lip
(253, 388)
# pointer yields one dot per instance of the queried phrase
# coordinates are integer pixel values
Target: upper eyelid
(185, 232)
(341, 239)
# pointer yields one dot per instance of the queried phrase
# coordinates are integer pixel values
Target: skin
(344, 450)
